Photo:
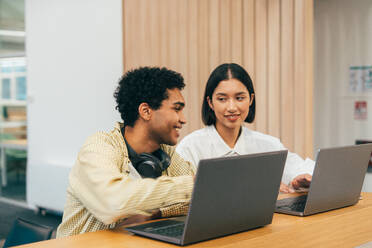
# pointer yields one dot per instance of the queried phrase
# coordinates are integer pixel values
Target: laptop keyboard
(296, 204)
(170, 228)
(175, 230)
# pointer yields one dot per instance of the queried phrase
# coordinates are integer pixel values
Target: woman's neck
(230, 136)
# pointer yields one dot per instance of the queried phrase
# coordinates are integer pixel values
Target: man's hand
(155, 215)
(285, 189)
(301, 181)
(138, 218)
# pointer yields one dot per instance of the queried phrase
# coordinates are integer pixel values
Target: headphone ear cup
(148, 166)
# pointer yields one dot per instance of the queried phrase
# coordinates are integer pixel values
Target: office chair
(24, 232)
(15, 159)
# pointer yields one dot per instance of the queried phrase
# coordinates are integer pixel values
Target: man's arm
(110, 194)
(178, 167)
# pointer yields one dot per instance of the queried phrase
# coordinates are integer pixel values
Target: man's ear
(144, 111)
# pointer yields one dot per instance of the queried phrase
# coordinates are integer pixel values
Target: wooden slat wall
(271, 39)
(287, 73)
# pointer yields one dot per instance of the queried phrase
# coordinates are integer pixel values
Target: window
(13, 96)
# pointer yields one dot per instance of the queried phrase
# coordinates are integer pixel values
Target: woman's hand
(301, 181)
(285, 189)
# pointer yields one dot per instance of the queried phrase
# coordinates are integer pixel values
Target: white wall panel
(343, 36)
(74, 54)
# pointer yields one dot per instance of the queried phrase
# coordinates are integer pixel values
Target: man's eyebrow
(182, 104)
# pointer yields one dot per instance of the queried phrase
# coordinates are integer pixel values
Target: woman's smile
(232, 117)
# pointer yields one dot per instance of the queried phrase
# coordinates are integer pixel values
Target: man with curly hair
(132, 173)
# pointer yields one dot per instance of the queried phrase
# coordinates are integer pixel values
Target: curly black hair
(144, 85)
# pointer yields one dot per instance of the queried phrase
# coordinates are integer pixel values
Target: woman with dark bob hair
(229, 101)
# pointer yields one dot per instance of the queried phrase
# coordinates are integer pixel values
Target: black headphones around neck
(149, 165)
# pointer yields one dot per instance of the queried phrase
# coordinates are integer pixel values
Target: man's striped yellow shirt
(101, 193)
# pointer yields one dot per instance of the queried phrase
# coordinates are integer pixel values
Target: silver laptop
(231, 194)
(337, 181)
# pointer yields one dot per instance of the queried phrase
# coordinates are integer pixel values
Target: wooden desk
(346, 227)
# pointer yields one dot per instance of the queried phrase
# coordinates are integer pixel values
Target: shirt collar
(245, 141)
(119, 125)
(222, 149)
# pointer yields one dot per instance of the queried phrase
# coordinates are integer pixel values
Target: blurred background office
(61, 60)
(13, 88)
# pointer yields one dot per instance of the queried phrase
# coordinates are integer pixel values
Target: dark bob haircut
(221, 73)
(144, 85)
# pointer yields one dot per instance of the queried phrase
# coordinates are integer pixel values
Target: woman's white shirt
(207, 143)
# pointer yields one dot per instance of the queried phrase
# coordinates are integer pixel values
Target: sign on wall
(360, 79)
(360, 110)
